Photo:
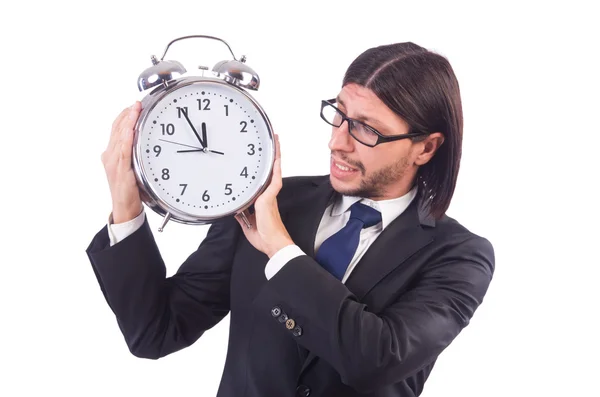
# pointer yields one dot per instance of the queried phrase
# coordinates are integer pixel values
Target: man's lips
(344, 164)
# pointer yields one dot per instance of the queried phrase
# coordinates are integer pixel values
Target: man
(347, 284)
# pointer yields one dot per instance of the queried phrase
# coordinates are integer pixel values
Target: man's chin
(344, 188)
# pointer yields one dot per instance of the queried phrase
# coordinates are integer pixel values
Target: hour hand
(202, 142)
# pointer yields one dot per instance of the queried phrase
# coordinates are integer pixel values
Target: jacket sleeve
(371, 350)
(159, 315)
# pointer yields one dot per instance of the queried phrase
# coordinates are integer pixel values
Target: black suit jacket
(303, 332)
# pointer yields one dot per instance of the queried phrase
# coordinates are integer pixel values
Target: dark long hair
(420, 87)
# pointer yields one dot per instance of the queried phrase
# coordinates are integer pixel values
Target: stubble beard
(375, 185)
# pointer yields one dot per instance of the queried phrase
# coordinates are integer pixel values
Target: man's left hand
(268, 234)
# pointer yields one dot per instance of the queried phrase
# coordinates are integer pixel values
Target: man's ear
(427, 148)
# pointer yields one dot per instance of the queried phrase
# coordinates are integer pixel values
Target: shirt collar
(390, 209)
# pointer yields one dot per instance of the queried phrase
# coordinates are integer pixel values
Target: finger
(118, 128)
(276, 183)
(127, 132)
(277, 169)
(115, 130)
(277, 148)
(119, 120)
(277, 165)
(132, 116)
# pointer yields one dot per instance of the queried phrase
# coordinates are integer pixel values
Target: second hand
(182, 144)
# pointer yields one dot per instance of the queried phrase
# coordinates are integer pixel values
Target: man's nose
(341, 138)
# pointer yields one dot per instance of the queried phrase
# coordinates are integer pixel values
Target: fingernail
(131, 113)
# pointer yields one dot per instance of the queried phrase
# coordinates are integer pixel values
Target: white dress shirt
(334, 218)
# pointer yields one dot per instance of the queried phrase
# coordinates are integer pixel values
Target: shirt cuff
(280, 258)
(119, 231)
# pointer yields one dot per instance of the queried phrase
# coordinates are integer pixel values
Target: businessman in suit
(346, 284)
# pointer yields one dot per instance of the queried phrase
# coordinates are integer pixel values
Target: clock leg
(243, 216)
(164, 222)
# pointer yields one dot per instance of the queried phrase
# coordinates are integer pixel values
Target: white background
(529, 81)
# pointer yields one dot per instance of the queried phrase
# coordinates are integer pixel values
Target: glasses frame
(380, 137)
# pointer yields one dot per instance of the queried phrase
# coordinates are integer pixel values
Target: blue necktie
(338, 250)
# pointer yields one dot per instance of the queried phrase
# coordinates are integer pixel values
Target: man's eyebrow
(359, 116)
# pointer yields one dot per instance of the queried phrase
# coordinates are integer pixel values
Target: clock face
(205, 149)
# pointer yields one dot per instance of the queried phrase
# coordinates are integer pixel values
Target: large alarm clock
(203, 146)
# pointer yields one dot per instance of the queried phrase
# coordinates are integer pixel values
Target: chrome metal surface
(151, 197)
(159, 74)
(237, 73)
(246, 221)
(197, 36)
(164, 222)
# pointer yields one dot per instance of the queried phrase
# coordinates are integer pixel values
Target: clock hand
(199, 150)
(193, 129)
(205, 144)
(182, 144)
(206, 140)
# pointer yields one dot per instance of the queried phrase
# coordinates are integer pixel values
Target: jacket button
(283, 318)
(297, 331)
(276, 311)
(303, 391)
(290, 324)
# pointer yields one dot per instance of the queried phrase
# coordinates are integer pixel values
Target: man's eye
(363, 130)
(369, 131)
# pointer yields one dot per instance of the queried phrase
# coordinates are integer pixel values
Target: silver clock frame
(149, 196)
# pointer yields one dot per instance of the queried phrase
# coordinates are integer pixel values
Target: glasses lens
(331, 115)
(363, 133)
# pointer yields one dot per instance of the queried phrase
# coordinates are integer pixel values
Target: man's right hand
(124, 191)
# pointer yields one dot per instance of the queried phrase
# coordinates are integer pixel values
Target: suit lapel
(398, 242)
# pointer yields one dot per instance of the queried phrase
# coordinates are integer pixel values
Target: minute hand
(193, 129)
(204, 139)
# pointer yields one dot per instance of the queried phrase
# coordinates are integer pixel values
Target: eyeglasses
(363, 133)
